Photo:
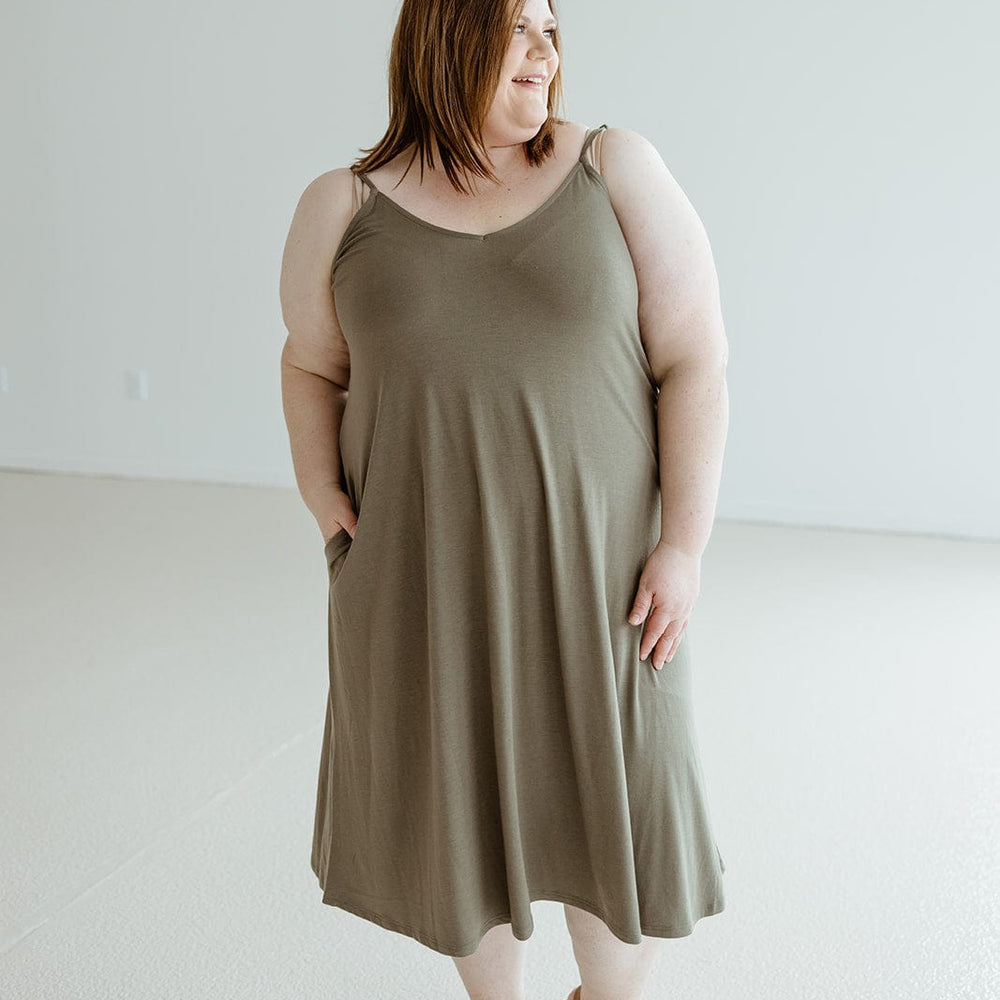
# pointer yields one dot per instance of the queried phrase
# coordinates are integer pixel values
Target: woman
(504, 384)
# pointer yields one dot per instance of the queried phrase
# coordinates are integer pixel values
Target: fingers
(655, 627)
(667, 644)
(641, 607)
(668, 585)
(662, 636)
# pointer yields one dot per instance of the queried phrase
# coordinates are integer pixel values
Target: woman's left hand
(670, 584)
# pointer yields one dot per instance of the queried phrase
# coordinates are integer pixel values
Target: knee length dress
(491, 736)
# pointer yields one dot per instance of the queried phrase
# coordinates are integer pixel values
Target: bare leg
(610, 969)
(495, 971)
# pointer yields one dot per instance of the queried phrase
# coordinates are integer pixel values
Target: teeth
(531, 79)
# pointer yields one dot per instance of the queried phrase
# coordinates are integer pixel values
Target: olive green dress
(491, 735)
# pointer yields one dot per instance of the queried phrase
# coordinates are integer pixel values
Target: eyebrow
(551, 20)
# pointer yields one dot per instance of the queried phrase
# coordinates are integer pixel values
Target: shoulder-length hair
(444, 70)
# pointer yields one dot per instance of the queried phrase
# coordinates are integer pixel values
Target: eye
(547, 30)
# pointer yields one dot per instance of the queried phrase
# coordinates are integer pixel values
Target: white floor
(164, 683)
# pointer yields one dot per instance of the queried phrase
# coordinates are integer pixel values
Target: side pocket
(335, 550)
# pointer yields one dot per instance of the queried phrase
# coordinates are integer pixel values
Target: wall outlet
(137, 384)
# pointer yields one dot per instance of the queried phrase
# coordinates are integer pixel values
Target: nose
(543, 56)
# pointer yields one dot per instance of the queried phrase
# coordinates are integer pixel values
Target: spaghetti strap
(358, 195)
(590, 138)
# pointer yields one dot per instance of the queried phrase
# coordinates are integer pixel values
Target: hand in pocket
(341, 517)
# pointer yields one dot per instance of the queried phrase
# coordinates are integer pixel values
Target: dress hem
(345, 902)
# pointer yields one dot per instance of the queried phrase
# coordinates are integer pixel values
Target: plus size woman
(504, 385)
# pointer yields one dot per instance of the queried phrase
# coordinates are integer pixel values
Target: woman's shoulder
(630, 165)
(331, 187)
(324, 211)
(626, 148)
(332, 199)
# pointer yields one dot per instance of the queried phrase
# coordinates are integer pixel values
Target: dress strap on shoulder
(591, 133)
(358, 194)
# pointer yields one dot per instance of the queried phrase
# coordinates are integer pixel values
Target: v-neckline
(378, 195)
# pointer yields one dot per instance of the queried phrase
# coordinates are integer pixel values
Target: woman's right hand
(340, 515)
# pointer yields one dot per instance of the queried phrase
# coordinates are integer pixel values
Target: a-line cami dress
(491, 736)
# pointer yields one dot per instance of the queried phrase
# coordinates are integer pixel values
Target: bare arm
(680, 319)
(680, 322)
(315, 361)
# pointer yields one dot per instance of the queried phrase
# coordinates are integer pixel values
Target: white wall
(840, 156)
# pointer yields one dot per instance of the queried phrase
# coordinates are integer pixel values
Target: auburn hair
(444, 70)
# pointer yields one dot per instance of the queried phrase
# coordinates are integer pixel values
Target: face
(520, 109)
